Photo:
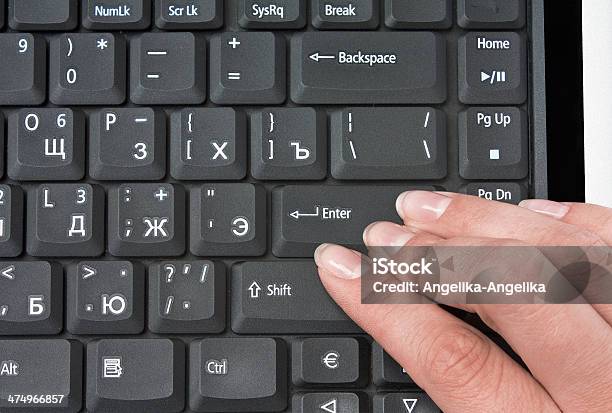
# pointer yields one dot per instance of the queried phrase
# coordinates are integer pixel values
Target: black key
(329, 361)
(342, 14)
(329, 403)
(367, 68)
(168, 68)
(127, 144)
(385, 370)
(493, 143)
(208, 144)
(238, 375)
(87, 69)
(2, 145)
(189, 14)
(228, 219)
(247, 68)
(11, 220)
(491, 14)
(413, 402)
(419, 14)
(277, 298)
(105, 297)
(272, 14)
(46, 144)
(43, 15)
(28, 84)
(509, 192)
(30, 298)
(288, 143)
(187, 297)
(116, 14)
(146, 220)
(414, 143)
(305, 216)
(492, 68)
(135, 376)
(41, 375)
(65, 220)
(2, 7)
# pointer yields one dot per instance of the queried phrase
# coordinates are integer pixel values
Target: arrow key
(329, 403)
(404, 403)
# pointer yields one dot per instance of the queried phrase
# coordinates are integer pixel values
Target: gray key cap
(414, 144)
(332, 68)
(492, 68)
(342, 14)
(2, 7)
(386, 371)
(413, 402)
(288, 143)
(23, 69)
(493, 143)
(271, 14)
(277, 298)
(419, 14)
(187, 297)
(135, 376)
(51, 370)
(2, 151)
(87, 69)
(247, 68)
(105, 297)
(329, 403)
(228, 219)
(127, 144)
(46, 144)
(491, 14)
(208, 144)
(116, 15)
(146, 220)
(65, 220)
(238, 375)
(168, 68)
(189, 15)
(509, 192)
(43, 15)
(11, 220)
(30, 298)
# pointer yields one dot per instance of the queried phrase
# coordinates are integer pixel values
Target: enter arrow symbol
(8, 272)
(318, 56)
(254, 289)
(297, 214)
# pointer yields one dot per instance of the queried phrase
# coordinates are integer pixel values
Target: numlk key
(116, 15)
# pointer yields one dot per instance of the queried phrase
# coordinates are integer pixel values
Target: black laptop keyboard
(170, 166)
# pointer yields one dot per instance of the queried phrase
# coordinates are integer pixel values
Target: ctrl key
(40, 375)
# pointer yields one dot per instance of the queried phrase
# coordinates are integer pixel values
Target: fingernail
(339, 261)
(549, 208)
(422, 206)
(387, 234)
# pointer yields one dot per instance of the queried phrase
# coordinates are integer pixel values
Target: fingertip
(338, 261)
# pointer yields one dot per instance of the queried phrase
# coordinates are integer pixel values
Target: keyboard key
(413, 402)
(329, 361)
(23, 69)
(340, 14)
(419, 14)
(146, 220)
(288, 143)
(87, 69)
(135, 375)
(332, 68)
(187, 297)
(247, 68)
(492, 68)
(127, 144)
(105, 297)
(493, 143)
(189, 15)
(386, 371)
(492, 14)
(116, 14)
(272, 14)
(305, 216)
(414, 144)
(11, 220)
(2, 145)
(208, 144)
(43, 15)
(168, 68)
(65, 220)
(509, 192)
(228, 219)
(329, 403)
(276, 297)
(238, 375)
(46, 144)
(49, 368)
(2, 7)
(30, 298)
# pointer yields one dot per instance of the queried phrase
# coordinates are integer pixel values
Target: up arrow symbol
(410, 404)
(254, 289)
